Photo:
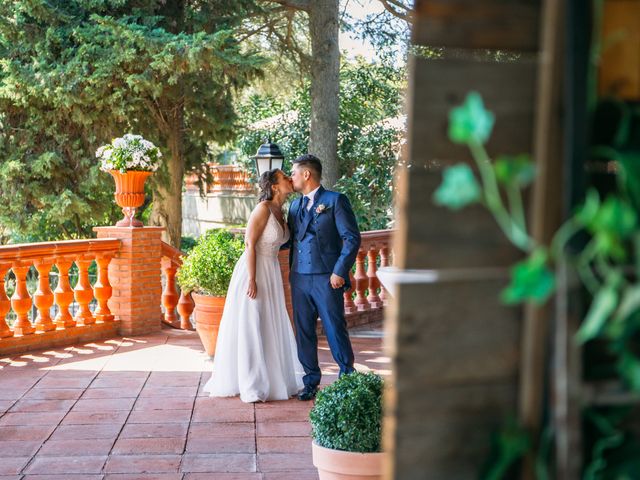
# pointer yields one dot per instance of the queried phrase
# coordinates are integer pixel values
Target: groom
(324, 243)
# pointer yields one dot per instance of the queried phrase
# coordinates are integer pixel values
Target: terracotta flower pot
(340, 465)
(129, 194)
(208, 313)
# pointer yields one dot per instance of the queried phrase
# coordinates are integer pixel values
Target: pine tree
(75, 73)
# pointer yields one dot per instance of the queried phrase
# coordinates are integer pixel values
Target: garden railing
(58, 293)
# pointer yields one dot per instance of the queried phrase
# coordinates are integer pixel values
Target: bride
(256, 354)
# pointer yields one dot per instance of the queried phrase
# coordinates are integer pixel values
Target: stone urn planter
(129, 159)
(129, 194)
(208, 313)
(346, 426)
(337, 464)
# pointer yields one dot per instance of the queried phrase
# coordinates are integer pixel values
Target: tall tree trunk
(167, 198)
(325, 86)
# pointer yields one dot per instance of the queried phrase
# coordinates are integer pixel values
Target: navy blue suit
(324, 240)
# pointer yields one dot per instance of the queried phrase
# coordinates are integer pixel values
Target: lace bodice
(272, 237)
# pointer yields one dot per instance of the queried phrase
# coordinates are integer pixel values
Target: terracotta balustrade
(361, 281)
(122, 261)
(63, 294)
(171, 300)
(83, 292)
(102, 288)
(5, 303)
(369, 293)
(230, 178)
(225, 179)
(43, 297)
(19, 259)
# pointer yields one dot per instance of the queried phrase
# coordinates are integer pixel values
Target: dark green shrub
(348, 414)
(208, 267)
(187, 244)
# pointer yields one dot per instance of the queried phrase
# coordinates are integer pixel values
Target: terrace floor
(133, 408)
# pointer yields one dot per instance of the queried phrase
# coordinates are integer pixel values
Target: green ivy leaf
(531, 280)
(629, 177)
(518, 170)
(470, 122)
(629, 367)
(510, 444)
(629, 304)
(602, 307)
(614, 216)
(458, 189)
(589, 209)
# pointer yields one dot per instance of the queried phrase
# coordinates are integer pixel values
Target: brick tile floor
(133, 408)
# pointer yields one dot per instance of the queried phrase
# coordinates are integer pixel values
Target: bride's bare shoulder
(261, 209)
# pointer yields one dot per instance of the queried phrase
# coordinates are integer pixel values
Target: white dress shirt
(310, 196)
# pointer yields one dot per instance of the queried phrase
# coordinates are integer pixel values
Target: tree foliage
(75, 73)
(369, 136)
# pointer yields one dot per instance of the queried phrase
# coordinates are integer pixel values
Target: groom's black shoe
(307, 393)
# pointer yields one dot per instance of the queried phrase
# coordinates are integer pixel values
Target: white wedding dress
(256, 355)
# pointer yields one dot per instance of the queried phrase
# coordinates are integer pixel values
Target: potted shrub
(129, 160)
(206, 272)
(346, 426)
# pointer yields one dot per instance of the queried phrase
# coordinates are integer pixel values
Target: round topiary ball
(347, 415)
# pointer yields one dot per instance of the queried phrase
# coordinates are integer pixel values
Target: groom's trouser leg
(330, 304)
(305, 318)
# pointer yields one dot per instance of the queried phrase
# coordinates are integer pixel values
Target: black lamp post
(268, 157)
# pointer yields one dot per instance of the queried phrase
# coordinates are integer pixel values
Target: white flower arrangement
(130, 152)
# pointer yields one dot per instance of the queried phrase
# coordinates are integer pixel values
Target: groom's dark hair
(312, 163)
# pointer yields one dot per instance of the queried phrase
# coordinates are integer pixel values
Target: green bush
(208, 267)
(347, 414)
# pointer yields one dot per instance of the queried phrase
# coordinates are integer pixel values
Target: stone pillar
(135, 275)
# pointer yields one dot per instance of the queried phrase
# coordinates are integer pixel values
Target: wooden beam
(488, 24)
(546, 213)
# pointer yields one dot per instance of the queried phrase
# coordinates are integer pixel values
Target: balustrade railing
(365, 286)
(53, 286)
(366, 292)
(226, 179)
(48, 307)
(171, 300)
(230, 178)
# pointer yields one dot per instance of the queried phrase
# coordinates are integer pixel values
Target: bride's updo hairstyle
(267, 181)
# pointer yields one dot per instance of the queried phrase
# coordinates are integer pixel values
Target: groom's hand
(336, 281)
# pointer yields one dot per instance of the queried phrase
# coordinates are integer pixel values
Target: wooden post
(546, 211)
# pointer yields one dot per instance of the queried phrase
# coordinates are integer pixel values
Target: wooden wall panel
(434, 236)
(493, 24)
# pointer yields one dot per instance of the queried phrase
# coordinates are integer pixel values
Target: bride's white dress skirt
(256, 355)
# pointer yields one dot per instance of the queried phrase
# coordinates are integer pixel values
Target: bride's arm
(255, 227)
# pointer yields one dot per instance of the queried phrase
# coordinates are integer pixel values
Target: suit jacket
(327, 240)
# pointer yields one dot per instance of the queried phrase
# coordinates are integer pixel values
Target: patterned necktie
(303, 209)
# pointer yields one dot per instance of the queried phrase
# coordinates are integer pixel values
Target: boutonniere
(321, 208)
